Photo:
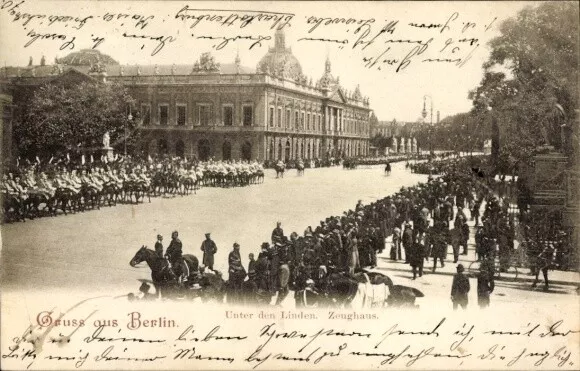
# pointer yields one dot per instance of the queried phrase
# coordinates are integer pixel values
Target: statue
(106, 140)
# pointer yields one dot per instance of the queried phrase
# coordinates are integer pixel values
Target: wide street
(91, 251)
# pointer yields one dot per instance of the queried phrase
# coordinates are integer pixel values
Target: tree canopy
(61, 118)
(530, 83)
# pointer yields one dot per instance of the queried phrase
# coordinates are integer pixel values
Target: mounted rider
(174, 255)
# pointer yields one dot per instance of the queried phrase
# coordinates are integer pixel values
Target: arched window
(271, 153)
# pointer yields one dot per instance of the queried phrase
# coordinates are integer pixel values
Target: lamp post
(129, 118)
(424, 114)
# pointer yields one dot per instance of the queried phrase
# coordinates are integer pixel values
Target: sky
(445, 42)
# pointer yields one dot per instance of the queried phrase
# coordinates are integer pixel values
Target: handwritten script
(390, 45)
(258, 340)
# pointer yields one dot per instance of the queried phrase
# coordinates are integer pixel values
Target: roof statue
(156, 70)
(357, 95)
(206, 64)
(327, 81)
(173, 69)
(122, 71)
(280, 59)
(56, 69)
(237, 61)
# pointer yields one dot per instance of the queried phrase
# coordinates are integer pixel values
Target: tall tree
(62, 118)
(531, 79)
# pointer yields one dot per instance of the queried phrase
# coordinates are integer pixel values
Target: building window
(146, 114)
(271, 117)
(296, 119)
(203, 114)
(181, 114)
(248, 115)
(308, 121)
(302, 121)
(279, 117)
(163, 114)
(228, 115)
(288, 117)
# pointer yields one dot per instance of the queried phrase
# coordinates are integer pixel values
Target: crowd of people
(421, 222)
(36, 189)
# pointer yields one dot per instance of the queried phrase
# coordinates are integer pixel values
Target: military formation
(38, 189)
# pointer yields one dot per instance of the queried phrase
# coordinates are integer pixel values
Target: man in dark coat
(277, 233)
(439, 239)
(460, 288)
(416, 258)
(159, 246)
(485, 283)
(209, 249)
(174, 254)
(263, 269)
(236, 271)
(407, 240)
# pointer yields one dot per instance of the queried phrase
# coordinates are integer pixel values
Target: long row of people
(35, 189)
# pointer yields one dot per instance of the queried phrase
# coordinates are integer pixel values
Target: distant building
(228, 111)
(402, 134)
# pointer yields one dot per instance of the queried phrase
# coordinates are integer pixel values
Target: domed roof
(86, 57)
(280, 60)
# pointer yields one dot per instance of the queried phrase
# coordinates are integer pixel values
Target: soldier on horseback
(174, 254)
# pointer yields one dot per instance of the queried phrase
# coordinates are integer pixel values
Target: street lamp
(129, 118)
(424, 114)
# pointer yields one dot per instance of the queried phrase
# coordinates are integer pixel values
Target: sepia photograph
(328, 185)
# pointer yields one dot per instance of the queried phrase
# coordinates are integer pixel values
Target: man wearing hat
(277, 233)
(174, 253)
(407, 240)
(485, 283)
(236, 270)
(209, 249)
(159, 246)
(460, 288)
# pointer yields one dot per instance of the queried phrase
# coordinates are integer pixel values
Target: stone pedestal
(108, 152)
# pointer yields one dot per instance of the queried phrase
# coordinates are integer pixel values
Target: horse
(36, 199)
(13, 207)
(212, 286)
(162, 275)
(333, 289)
(280, 170)
(300, 168)
(388, 169)
(67, 199)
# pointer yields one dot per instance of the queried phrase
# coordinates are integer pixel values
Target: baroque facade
(228, 111)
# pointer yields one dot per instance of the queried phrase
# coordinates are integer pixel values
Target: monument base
(108, 152)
